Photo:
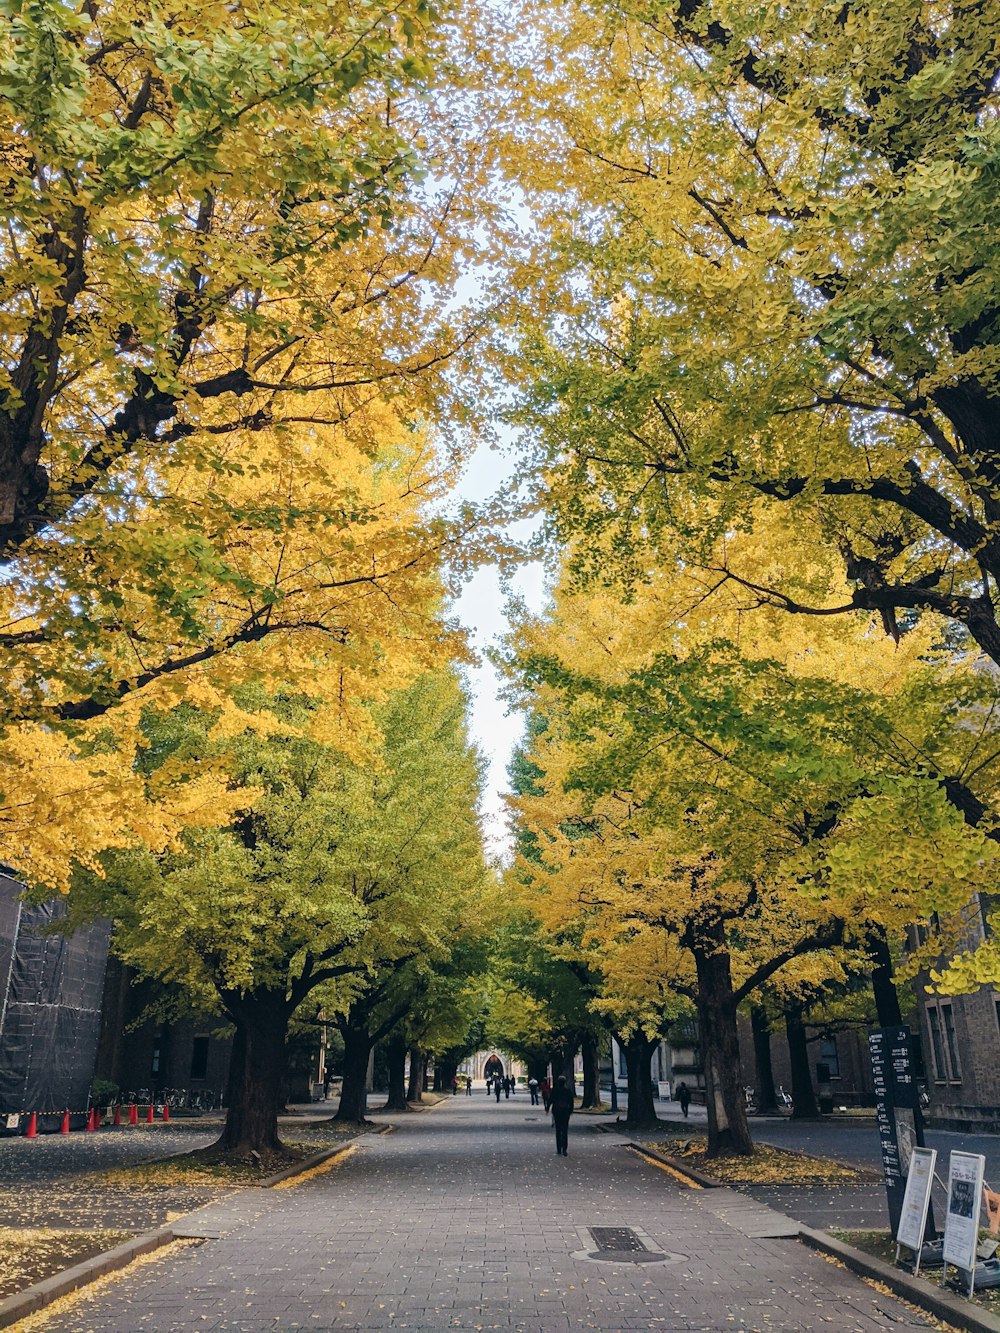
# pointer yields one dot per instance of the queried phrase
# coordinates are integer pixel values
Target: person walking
(562, 1109)
(684, 1097)
(545, 1088)
(506, 1088)
(454, 1084)
(468, 1085)
(496, 1088)
(533, 1089)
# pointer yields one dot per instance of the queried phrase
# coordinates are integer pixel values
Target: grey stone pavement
(466, 1218)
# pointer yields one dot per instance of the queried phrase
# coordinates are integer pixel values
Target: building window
(937, 1045)
(829, 1056)
(944, 1043)
(199, 1056)
(954, 1064)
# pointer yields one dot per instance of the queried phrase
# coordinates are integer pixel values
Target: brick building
(960, 1041)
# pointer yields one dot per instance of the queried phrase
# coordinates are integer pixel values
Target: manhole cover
(616, 1238)
(621, 1245)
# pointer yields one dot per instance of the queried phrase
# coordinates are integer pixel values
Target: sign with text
(961, 1221)
(895, 1090)
(916, 1201)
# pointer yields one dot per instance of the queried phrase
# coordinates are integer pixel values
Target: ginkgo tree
(761, 280)
(197, 203)
(769, 801)
(227, 314)
(317, 559)
(330, 871)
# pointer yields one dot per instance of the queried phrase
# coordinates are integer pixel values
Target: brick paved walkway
(466, 1218)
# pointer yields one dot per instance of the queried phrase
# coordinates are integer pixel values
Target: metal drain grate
(616, 1238)
(621, 1245)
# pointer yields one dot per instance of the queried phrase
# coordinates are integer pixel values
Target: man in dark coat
(683, 1097)
(562, 1108)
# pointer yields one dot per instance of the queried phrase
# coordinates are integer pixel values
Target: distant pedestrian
(533, 1089)
(468, 1085)
(683, 1097)
(562, 1108)
(545, 1087)
(489, 1085)
(454, 1085)
(506, 1087)
(496, 1087)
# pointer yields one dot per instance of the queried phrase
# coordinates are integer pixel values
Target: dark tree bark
(538, 1067)
(415, 1087)
(562, 1060)
(396, 1064)
(638, 1050)
(883, 986)
(803, 1097)
(728, 1131)
(357, 1049)
(591, 1072)
(444, 1072)
(256, 1073)
(765, 1096)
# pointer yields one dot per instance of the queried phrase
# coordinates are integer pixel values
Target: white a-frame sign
(916, 1201)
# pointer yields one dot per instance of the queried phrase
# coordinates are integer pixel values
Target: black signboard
(881, 1043)
(896, 1111)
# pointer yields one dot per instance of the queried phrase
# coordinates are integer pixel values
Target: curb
(307, 1164)
(36, 1297)
(961, 1314)
(952, 1309)
(33, 1299)
(682, 1168)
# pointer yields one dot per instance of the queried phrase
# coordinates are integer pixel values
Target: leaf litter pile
(31, 1255)
(768, 1166)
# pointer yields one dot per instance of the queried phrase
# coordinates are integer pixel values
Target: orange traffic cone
(32, 1131)
(133, 1114)
(91, 1121)
(149, 1114)
(166, 1111)
(64, 1127)
(118, 1114)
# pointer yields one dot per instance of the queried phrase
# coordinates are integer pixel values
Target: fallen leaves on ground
(84, 1296)
(28, 1255)
(768, 1166)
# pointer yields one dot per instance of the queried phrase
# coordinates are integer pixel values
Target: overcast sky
(482, 609)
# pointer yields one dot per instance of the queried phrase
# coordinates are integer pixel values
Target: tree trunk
(883, 986)
(803, 1097)
(563, 1060)
(638, 1058)
(395, 1053)
(765, 1096)
(538, 1067)
(591, 1073)
(256, 1071)
(728, 1131)
(354, 1092)
(415, 1087)
(444, 1072)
